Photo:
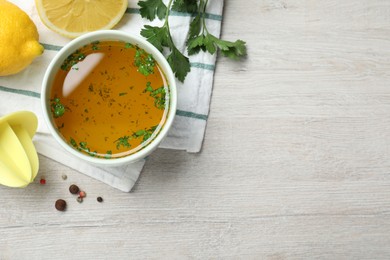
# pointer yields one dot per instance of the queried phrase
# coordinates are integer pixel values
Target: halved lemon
(73, 18)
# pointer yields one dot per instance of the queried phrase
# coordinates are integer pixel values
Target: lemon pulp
(72, 18)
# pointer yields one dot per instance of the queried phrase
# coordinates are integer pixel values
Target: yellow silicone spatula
(18, 158)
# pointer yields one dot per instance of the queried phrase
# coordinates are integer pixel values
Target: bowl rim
(102, 35)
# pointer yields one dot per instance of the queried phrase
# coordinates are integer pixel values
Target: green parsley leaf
(195, 45)
(146, 136)
(158, 36)
(72, 60)
(108, 154)
(83, 145)
(158, 94)
(235, 50)
(180, 64)
(152, 8)
(128, 45)
(93, 154)
(185, 6)
(57, 108)
(148, 87)
(123, 141)
(139, 133)
(210, 43)
(145, 133)
(73, 142)
(195, 27)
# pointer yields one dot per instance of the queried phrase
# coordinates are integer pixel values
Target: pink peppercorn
(82, 194)
(42, 181)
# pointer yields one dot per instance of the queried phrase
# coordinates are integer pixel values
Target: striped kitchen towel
(22, 91)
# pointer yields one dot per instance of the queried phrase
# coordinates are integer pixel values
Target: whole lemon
(18, 39)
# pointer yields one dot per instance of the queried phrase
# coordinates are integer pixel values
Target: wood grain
(295, 162)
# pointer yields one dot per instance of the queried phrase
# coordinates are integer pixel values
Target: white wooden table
(295, 162)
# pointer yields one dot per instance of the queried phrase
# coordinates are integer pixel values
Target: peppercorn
(99, 199)
(42, 181)
(60, 205)
(79, 199)
(74, 189)
(82, 194)
(64, 177)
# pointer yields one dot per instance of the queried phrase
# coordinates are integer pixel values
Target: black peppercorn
(99, 199)
(60, 205)
(74, 189)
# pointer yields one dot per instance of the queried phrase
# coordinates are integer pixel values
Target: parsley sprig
(199, 38)
(161, 37)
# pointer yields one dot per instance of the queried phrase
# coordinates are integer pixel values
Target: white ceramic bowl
(103, 35)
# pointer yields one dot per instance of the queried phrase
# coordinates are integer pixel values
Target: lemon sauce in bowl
(109, 99)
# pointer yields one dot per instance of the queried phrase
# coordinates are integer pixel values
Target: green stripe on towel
(202, 66)
(21, 91)
(191, 115)
(51, 47)
(215, 17)
(132, 11)
(207, 15)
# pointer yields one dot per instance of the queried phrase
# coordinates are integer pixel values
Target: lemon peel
(19, 44)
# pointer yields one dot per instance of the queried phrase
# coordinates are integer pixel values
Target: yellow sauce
(109, 99)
